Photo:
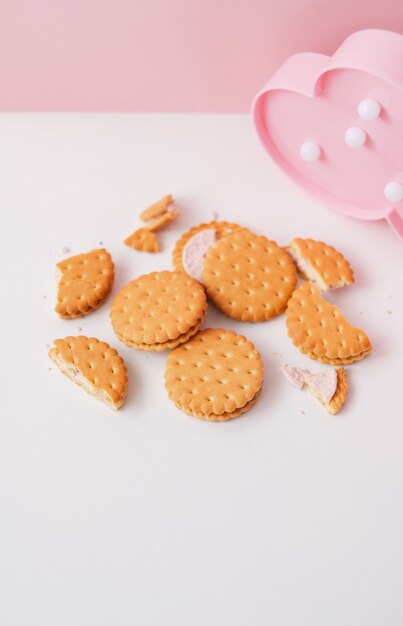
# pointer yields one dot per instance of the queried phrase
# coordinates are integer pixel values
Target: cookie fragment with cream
(94, 366)
(329, 387)
(320, 263)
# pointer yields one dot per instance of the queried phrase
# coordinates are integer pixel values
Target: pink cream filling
(324, 384)
(195, 251)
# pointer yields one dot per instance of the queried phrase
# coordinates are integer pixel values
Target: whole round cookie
(221, 229)
(249, 278)
(216, 375)
(158, 311)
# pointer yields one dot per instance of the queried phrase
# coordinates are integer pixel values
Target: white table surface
(283, 517)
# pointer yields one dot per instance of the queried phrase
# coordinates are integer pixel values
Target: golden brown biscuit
(85, 281)
(143, 240)
(222, 229)
(94, 366)
(158, 311)
(249, 278)
(322, 264)
(340, 396)
(157, 209)
(216, 375)
(319, 329)
(162, 220)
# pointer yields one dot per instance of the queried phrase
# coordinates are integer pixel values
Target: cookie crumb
(65, 249)
(44, 296)
(101, 243)
(79, 328)
(302, 412)
(49, 369)
(389, 312)
(214, 215)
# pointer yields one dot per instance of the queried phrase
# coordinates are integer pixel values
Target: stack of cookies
(212, 374)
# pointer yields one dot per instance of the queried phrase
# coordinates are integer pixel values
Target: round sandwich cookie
(249, 277)
(158, 311)
(216, 376)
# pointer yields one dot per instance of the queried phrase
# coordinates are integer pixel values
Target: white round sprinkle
(310, 151)
(369, 109)
(393, 191)
(355, 137)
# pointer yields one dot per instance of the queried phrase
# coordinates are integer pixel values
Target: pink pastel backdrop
(164, 55)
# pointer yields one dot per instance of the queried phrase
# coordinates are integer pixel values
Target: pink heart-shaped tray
(335, 124)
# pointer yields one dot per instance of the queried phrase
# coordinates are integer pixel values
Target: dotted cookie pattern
(249, 278)
(86, 280)
(158, 311)
(143, 240)
(215, 376)
(319, 329)
(97, 362)
(332, 268)
(222, 229)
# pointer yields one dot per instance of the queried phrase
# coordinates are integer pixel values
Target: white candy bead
(355, 137)
(393, 191)
(369, 109)
(310, 151)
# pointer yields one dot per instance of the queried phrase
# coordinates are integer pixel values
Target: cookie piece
(216, 375)
(221, 229)
(143, 240)
(158, 208)
(164, 219)
(329, 387)
(158, 311)
(94, 366)
(249, 278)
(320, 263)
(319, 329)
(85, 281)
(340, 395)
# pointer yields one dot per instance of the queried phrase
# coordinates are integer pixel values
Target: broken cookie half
(94, 366)
(320, 263)
(329, 387)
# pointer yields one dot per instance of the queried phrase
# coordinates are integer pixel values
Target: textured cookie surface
(85, 281)
(321, 263)
(158, 310)
(221, 228)
(142, 240)
(319, 329)
(94, 366)
(340, 395)
(216, 375)
(249, 278)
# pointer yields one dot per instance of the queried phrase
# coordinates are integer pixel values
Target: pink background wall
(164, 55)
